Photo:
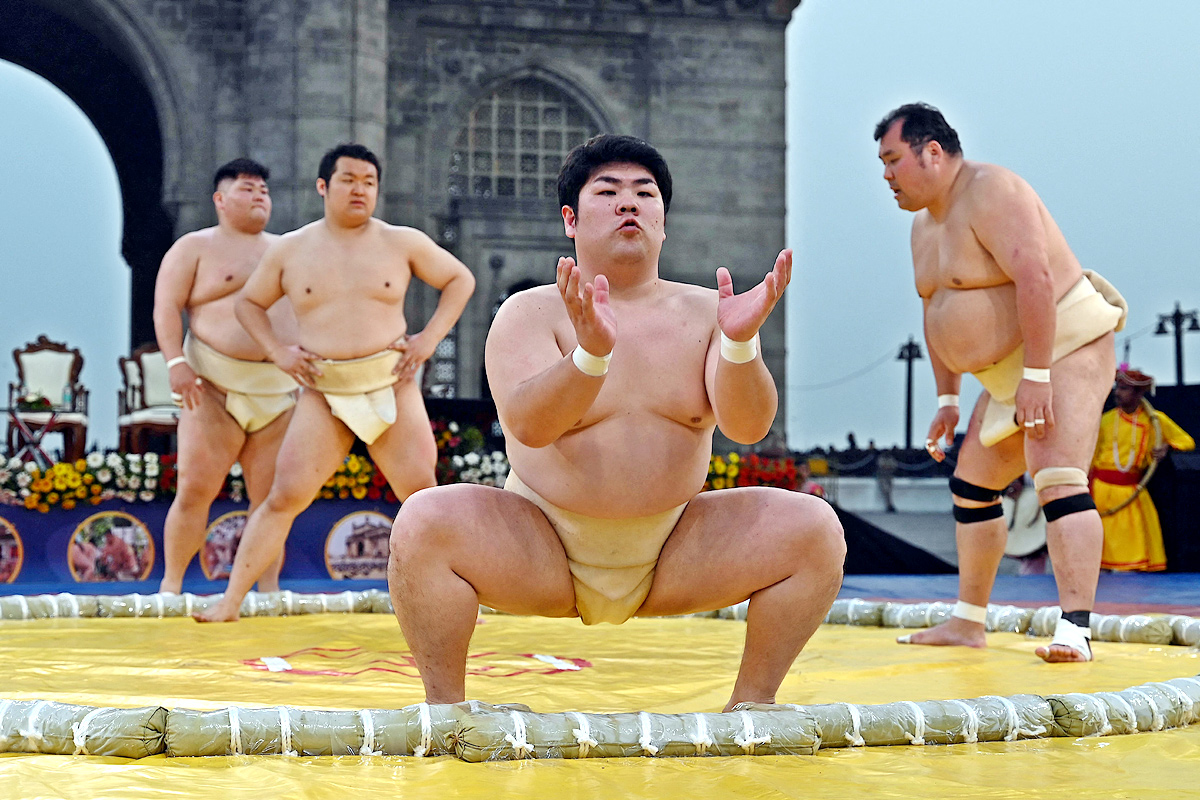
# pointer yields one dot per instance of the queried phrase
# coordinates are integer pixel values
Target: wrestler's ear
(569, 221)
(321, 186)
(934, 149)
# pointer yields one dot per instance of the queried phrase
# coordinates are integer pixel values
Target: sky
(1094, 102)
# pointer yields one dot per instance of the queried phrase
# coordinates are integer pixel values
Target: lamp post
(910, 352)
(1177, 318)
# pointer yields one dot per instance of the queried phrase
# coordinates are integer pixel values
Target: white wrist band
(1036, 375)
(947, 400)
(176, 360)
(589, 364)
(738, 352)
(970, 612)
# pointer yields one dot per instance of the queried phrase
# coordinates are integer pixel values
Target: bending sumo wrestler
(609, 385)
(235, 403)
(1006, 300)
(346, 276)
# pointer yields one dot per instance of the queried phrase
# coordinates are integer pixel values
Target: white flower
(104, 475)
(14, 463)
(472, 459)
(497, 455)
(152, 470)
(30, 467)
(135, 467)
(151, 458)
(95, 459)
(128, 497)
(485, 467)
(24, 493)
(236, 470)
(457, 461)
(121, 482)
(24, 479)
(150, 483)
(452, 427)
(134, 483)
(114, 460)
(4, 475)
(134, 458)
(146, 497)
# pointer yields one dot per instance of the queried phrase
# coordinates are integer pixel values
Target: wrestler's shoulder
(403, 234)
(195, 241)
(692, 295)
(990, 182)
(298, 237)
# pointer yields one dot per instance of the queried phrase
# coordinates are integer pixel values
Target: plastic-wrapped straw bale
(1184, 630)
(41, 726)
(1134, 628)
(493, 734)
(1008, 619)
(47, 606)
(914, 615)
(855, 612)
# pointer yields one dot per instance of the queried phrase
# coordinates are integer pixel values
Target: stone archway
(95, 66)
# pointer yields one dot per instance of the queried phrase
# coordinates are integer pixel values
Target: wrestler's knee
(423, 525)
(819, 542)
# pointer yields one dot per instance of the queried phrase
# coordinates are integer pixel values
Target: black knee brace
(1072, 504)
(969, 515)
(969, 491)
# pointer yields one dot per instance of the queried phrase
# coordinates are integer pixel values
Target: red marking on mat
(353, 661)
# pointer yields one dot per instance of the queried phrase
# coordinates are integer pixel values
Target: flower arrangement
(34, 402)
(463, 457)
(726, 472)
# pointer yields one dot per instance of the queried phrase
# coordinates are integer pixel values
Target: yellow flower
(61, 468)
(81, 491)
(95, 490)
(43, 485)
(68, 504)
(327, 494)
(734, 458)
(354, 467)
(364, 478)
(718, 483)
(52, 498)
(719, 467)
(343, 494)
(73, 481)
(60, 484)
(88, 478)
(732, 471)
(31, 501)
(95, 500)
(359, 492)
(43, 508)
(81, 465)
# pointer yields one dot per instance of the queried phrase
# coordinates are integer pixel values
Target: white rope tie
(521, 747)
(1103, 707)
(583, 734)
(854, 602)
(324, 603)
(422, 750)
(917, 737)
(1014, 721)
(24, 604)
(251, 603)
(1121, 628)
(349, 597)
(79, 732)
(136, 602)
(4, 737)
(368, 738)
(287, 600)
(159, 608)
(188, 600)
(971, 734)
(1156, 717)
(854, 737)
(1186, 701)
(51, 605)
(702, 740)
(647, 748)
(285, 732)
(1126, 709)
(235, 732)
(748, 740)
(32, 732)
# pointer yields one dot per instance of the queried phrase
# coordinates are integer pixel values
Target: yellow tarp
(670, 666)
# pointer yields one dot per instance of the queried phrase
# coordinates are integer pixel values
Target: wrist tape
(738, 352)
(589, 364)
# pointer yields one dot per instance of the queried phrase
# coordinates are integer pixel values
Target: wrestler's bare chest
(326, 274)
(222, 268)
(947, 255)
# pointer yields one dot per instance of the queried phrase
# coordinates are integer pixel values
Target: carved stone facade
(470, 103)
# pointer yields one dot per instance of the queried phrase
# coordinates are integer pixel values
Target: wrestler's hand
(297, 362)
(1035, 415)
(186, 386)
(587, 305)
(741, 315)
(414, 351)
(942, 427)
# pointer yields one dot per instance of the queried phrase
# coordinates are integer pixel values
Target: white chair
(127, 400)
(49, 370)
(154, 411)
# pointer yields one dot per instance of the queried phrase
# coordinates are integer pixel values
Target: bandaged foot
(1070, 643)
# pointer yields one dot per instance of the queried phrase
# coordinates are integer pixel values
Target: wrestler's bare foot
(1060, 654)
(221, 612)
(953, 631)
(268, 586)
(175, 588)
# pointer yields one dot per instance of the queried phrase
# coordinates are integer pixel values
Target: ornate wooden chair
(153, 410)
(47, 398)
(127, 400)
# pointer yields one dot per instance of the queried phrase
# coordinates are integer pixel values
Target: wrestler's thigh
(1080, 383)
(992, 467)
(497, 541)
(731, 543)
(208, 441)
(314, 446)
(259, 453)
(408, 444)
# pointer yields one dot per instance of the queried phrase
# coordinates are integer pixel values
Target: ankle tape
(970, 612)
